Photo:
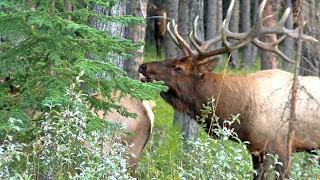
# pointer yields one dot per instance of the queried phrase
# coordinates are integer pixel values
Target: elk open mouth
(146, 78)
(142, 70)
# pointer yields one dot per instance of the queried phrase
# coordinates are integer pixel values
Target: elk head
(183, 74)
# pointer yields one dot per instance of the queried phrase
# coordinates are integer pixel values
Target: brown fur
(262, 99)
(139, 128)
(159, 26)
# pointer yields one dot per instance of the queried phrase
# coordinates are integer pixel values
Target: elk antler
(242, 38)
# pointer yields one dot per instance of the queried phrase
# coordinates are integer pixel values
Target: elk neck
(236, 95)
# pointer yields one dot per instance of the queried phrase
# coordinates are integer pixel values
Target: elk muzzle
(143, 71)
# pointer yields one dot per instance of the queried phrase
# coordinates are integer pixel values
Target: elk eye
(178, 69)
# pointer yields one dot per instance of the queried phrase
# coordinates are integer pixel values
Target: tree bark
(213, 23)
(288, 43)
(172, 13)
(135, 33)
(183, 22)
(196, 9)
(269, 59)
(189, 126)
(114, 28)
(254, 49)
(310, 64)
(245, 26)
(234, 27)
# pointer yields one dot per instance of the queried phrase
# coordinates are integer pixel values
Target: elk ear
(207, 65)
(152, 6)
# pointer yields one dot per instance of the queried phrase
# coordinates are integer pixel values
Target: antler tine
(296, 34)
(195, 44)
(204, 44)
(245, 38)
(280, 26)
(195, 34)
(174, 39)
(182, 42)
(273, 47)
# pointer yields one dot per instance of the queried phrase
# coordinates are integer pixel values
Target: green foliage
(43, 50)
(165, 157)
(63, 147)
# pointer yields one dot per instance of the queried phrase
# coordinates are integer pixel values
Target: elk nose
(142, 68)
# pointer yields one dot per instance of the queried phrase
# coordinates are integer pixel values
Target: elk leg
(284, 169)
(161, 44)
(260, 165)
(158, 44)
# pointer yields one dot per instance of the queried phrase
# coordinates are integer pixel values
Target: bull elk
(159, 26)
(262, 98)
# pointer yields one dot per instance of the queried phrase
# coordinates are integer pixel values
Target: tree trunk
(234, 27)
(189, 126)
(114, 28)
(213, 23)
(245, 26)
(183, 22)
(135, 33)
(196, 9)
(269, 59)
(254, 49)
(172, 13)
(310, 64)
(288, 42)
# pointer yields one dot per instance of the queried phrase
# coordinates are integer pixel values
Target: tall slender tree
(254, 49)
(234, 27)
(188, 10)
(269, 59)
(310, 63)
(245, 26)
(136, 34)
(172, 13)
(213, 19)
(288, 43)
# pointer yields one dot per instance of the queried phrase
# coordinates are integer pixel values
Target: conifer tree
(44, 46)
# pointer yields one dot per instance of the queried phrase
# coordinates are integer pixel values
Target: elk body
(139, 128)
(262, 98)
(159, 26)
